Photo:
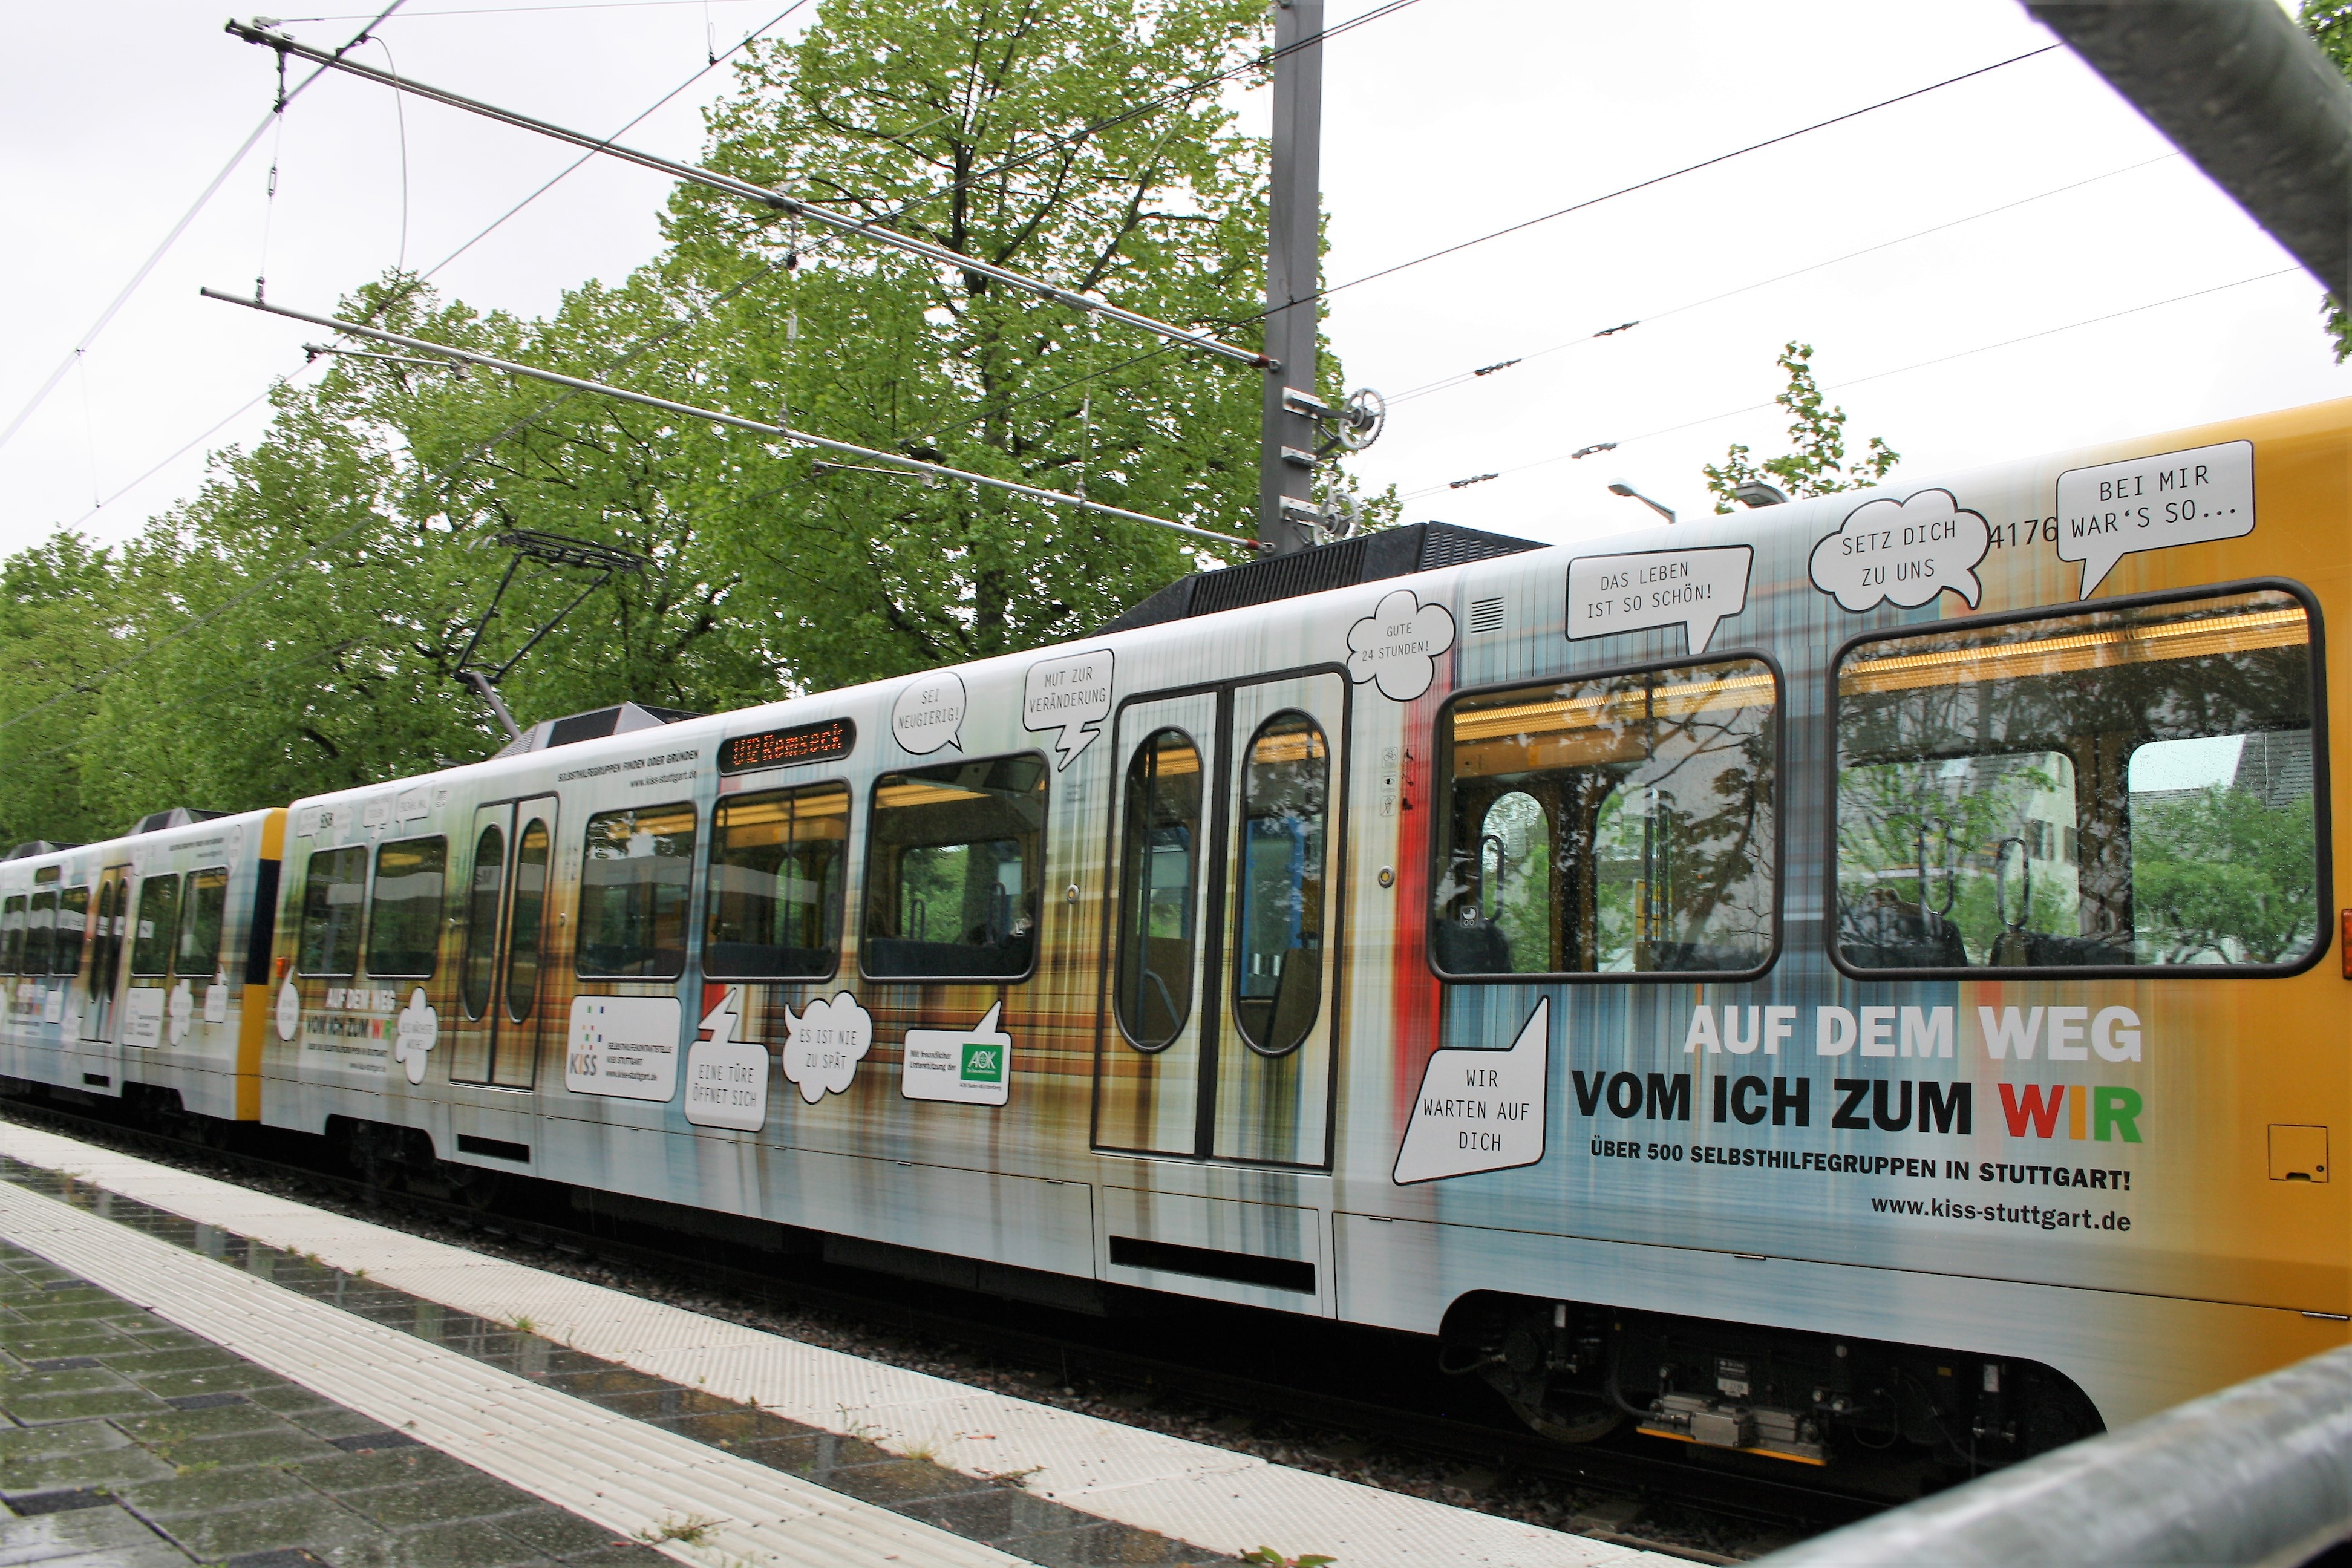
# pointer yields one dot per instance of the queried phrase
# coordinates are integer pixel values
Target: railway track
(1360, 1402)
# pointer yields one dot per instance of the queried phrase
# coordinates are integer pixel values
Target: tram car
(1846, 975)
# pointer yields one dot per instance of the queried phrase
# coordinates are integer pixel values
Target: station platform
(194, 1371)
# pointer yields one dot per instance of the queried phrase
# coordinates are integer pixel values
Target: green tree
(2218, 874)
(2329, 23)
(296, 624)
(938, 116)
(60, 625)
(1818, 466)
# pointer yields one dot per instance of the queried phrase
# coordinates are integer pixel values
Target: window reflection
(1159, 863)
(1619, 825)
(1278, 916)
(2121, 787)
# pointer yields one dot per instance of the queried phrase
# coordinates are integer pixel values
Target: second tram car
(1795, 982)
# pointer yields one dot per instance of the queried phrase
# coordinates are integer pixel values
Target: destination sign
(785, 748)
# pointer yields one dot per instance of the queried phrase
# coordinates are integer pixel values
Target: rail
(2260, 1473)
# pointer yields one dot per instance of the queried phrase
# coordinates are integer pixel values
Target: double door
(1218, 1033)
(110, 922)
(504, 942)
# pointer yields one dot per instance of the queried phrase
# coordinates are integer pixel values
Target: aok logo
(983, 1062)
(2101, 1113)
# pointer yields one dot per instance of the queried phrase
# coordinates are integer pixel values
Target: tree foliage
(296, 625)
(2329, 23)
(1817, 465)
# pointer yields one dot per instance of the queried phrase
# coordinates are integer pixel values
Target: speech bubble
(414, 1034)
(2191, 496)
(928, 714)
(1904, 553)
(969, 1066)
(826, 1044)
(1480, 1111)
(726, 1076)
(1693, 589)
(1072, 695)
(1397, 645)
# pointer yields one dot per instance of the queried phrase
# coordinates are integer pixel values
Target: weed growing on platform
(1011, 1478)
(687, 1532)
(1267, 1557)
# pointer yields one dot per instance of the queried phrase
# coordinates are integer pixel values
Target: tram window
(528, 921)
(481, 965)
(633, 879)
(332, 899)
(40, 932)
(777, 865)
(405, 912)
(954, 855)
(2128, 787)
(203, 910)
(11, 934)
(1278, 916)
(1617, 825)
(157, 923)
(73, 919)
(1159, 878)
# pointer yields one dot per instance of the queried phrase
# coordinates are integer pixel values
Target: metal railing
(2260, 1473)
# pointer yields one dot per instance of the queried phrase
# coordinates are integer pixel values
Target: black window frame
(302, 914)
(170, 940)
(2323, 939)
(850, 895)
(187, 903)
(689, 951)
(440, 900)
(1441, 785)
(13, 941)
(48, 943)
(79, 947)
(1045, 850)
(1204, 850)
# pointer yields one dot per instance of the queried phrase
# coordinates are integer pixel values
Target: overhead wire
(1590, 201)
(1877, 376)
(275, 117)
(1096, 128)
(1186, 90)
(312, 552)
(517, 10)
(1463, 378)
(400, 117)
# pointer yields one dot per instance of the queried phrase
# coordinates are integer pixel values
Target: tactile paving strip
(637, 1480)
(1212, 1497)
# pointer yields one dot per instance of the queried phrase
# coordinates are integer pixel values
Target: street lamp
(1756, 493)
(1621, 488)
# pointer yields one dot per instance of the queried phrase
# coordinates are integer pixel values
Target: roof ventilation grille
(594, 725)
(1365, 558)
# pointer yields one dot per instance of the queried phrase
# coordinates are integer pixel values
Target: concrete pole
(1293, 272)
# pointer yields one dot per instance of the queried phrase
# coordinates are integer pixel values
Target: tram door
(1219, 1037)
(505, 916)
(108, 919)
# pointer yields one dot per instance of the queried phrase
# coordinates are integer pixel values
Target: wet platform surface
(132, 1442)
(259, 1465)
(646, 1421)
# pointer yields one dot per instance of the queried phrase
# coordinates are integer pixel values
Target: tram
(1849, 973)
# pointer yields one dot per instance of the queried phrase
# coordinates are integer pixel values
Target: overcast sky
(1443, 121)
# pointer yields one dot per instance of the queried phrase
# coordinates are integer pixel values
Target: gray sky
(1443, 121)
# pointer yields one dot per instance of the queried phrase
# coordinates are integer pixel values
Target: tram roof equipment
(1343, 563)
(177, 816)
(594, 725)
